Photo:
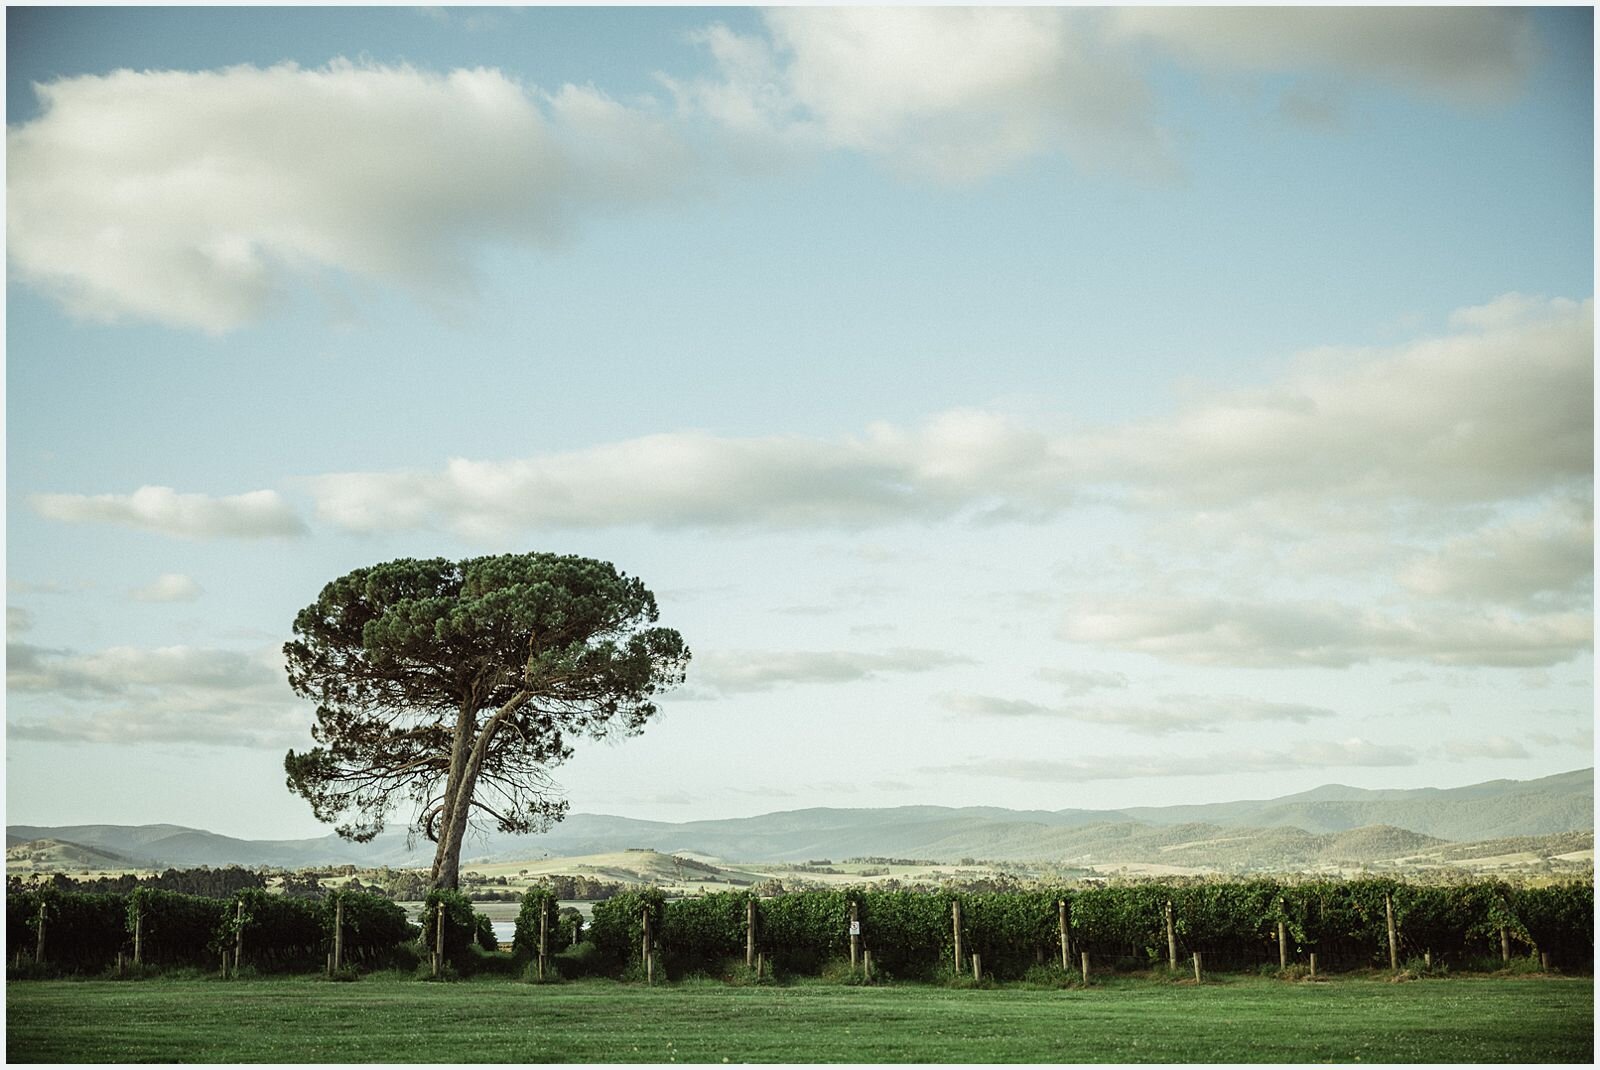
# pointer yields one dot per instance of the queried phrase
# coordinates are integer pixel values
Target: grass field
(389, 1019)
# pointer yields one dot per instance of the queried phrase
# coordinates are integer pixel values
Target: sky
(1044, 408)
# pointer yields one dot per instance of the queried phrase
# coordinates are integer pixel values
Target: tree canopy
(458, 685)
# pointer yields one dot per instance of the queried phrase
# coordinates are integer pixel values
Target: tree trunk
(458, 802)
(448, 843)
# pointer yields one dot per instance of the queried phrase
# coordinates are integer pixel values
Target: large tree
(457, 685)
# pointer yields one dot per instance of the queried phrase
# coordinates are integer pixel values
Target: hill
(1331, 823)
(1495, 808)
(44, 855)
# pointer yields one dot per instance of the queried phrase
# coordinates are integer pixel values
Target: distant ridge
(1329, 823)
(1494, 809)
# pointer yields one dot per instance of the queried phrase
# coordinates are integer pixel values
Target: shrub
(487, 940)
(375, 928)
(700, 932)
(488, 963)
(537, 903)
(278, 932)
(617, 929)
(178, 929)
(1559, 919)
(460, 922)
(580, 960)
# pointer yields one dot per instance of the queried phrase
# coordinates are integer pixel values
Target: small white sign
(855, 928)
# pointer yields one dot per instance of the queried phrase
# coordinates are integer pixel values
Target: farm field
(393, 1019)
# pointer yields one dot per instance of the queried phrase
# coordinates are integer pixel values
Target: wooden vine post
(38, 949)
(855, 936)
(1313, 964)
(438, 938)
(1505, 946)
(1283, 946)
(955, 926)
(338, 932)
(238, 936)
(977, 967)
(1197, 967)
(649, 950)
(1085, 967)
(544, 937)
(1394, 944)
(1066, 948)
(1172, 940)
(749, 933)
(138, 936)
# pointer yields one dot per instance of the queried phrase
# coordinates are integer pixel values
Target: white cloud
(1267, 633)
(1471, 55)
(14, 586)
(1314, 755)
(1498, 409)
(148, 695)
(1582, 740)
(1076, 682)
(733, 672)
(18, 620)
(1543, 558)
(955, 462)
(257, 514)
(194, 198)
(167, 587)
(1176, 713)
(954, 93)
(1498, 747)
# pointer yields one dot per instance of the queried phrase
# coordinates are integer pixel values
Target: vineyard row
(1352, 924)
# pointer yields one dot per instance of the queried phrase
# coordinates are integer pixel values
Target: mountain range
(1334, 822)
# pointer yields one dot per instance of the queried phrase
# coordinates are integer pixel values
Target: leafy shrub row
(1233, 924)
(86, 930)
(460, 924)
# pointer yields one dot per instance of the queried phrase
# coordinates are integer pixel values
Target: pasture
(393, 1018)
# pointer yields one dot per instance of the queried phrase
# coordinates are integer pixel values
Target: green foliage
(537, 903)
(803, 930)
(1120, 922)
(908, 933)
(1009, 930)
(700, 932)
(617, 928)
(178, 929)
(375, 928)
(487, 940)
(480, 962)
(570, 921)
(217, 883)
(580, 960)
(1233, 923)
(581, 887)
(1559, 919)
(278, 931)
(83, 931)
(460, 923)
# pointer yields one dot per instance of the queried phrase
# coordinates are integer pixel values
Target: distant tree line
(202, 880)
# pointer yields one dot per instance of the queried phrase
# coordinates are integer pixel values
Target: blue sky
(1039, 408)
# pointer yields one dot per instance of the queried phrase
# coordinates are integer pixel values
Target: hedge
(86, 930)
(537, 902)
(1234, 924)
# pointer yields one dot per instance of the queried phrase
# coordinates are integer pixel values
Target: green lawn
(378, 1019)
